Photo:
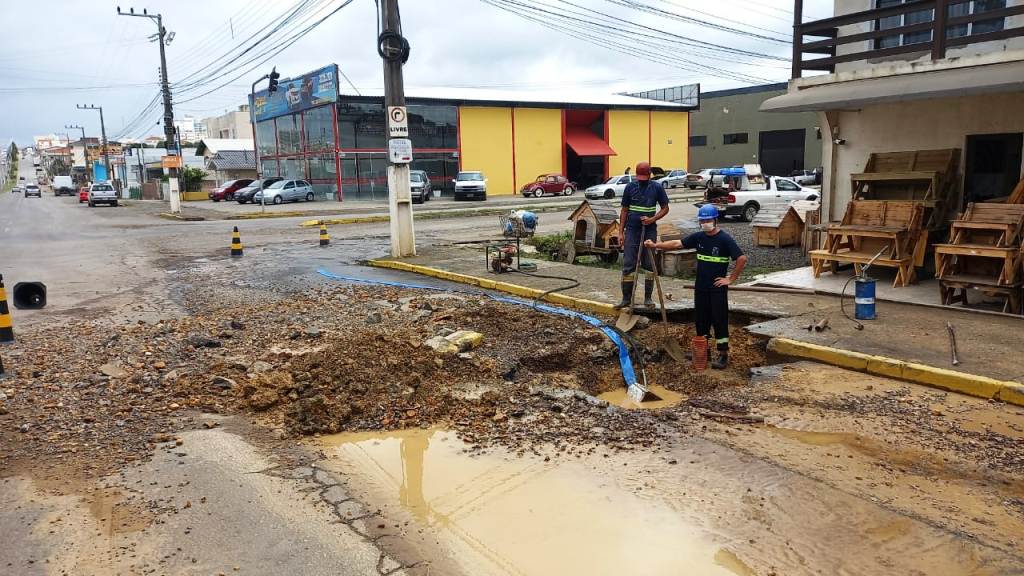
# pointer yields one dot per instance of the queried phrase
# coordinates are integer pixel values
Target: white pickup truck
(745, 191)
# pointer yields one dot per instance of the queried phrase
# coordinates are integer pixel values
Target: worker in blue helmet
(644, 202)
(715, 249)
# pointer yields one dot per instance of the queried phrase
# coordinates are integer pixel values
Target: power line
(647, 8)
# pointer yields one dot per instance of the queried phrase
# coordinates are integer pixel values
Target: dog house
(595, 230)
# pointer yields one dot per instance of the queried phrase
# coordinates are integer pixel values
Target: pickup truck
(102, 193)
(743, 192)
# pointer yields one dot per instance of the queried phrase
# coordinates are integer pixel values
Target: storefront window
(322, 167)
(265, 138)
(270, 168)
(434, 126)
(319, 128)
(361, 125)
(289, 134)
(441, 167)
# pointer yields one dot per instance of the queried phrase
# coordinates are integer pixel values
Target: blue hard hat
(707, 212)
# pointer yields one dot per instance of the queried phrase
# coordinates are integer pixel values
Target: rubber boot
(722, 361)
(648, 293)
(627, 296)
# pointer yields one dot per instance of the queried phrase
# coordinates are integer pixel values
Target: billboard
(306, 91)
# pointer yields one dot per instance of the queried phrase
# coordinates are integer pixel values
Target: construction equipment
(518, 224)
(864, 297)
(627, 318)
(952, 345)
(670, 344)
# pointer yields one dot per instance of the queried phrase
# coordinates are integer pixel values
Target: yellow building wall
(486, 145)
(628, 135)
(670, 146)
(538, 145)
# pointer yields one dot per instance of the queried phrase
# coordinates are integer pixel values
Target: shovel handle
(657, 282)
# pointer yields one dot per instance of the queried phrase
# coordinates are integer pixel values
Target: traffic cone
(236, 243)
(6, 331)
(325, 240)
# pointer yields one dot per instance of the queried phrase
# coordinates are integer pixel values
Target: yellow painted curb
(257, 216)
(350, 220)
(580, 304)
(962, 382)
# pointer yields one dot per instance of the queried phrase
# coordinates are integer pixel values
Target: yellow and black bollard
(325, 240)
(236, 243)
(6, 329)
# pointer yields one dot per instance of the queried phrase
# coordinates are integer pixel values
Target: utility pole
(103, 134)
(394, 49)
(162, 37)
(271, 88)
(72, 150)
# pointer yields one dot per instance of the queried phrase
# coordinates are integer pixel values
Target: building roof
(232, 160)
(571, 98)
(215, 145)
(605, 211)
(776, 87)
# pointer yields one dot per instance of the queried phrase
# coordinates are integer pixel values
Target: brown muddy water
(694, 507)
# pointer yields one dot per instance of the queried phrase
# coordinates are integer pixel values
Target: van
(63, 185)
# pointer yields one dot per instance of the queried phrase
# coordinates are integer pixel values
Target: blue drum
(864, 298)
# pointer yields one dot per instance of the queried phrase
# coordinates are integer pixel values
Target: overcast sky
(55, 54)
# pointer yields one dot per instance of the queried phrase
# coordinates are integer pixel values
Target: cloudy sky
(55, 54)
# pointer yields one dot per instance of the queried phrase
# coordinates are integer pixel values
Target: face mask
(707, 226)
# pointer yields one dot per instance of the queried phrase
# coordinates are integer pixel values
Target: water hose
(625, 362)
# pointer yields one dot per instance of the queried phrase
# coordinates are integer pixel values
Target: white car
(777, 193)
(102, 193)
(285, 191)
(612, 188)
(470, 185)
(699, 180)
(673, 178)
(804, 177)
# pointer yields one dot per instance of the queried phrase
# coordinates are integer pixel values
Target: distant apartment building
(49, 141)
(230, 125)
(189, 129)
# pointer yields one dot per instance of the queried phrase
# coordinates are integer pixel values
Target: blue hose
(628, 374)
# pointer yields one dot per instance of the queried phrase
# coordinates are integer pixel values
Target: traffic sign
(398, 122)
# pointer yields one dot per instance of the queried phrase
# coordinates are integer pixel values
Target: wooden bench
(928, 176)
(996, 224)
(905, 271)
(954, 288)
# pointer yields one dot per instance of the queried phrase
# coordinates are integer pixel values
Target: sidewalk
(376, 210)
(988, 345)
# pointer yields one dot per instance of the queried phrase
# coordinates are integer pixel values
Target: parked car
(699, 180)
(83, 194)
(743, 192)
(285, 191)
(673, 178)
(549, 184)
(611, 188)
(33, 190)
(17, 190)
(102, 193)
(804, 177)
(470, 185)
(226, 191)
(419, 184)
(63, 185)
(245, 194)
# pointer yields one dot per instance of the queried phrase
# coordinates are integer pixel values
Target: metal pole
(403, 238)
(103, 145)
(255, 144)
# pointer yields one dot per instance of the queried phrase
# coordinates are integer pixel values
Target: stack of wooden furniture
(872, 226)
(927, 176)
(984, 253)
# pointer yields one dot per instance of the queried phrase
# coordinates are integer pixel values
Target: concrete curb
(291, 214)
(962, 382)
(579, 304)
(180, 218)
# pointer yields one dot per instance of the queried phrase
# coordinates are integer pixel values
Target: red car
(83, 194)
(226, 191)
(549, 184)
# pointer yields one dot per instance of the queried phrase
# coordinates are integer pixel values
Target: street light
(103, 133)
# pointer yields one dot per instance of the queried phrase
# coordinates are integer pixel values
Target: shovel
(670, 344)
(627, 319)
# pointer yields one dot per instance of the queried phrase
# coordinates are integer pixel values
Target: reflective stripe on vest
(643, 209)
(716, 259)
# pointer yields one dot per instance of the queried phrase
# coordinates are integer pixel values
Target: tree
(13, 152)
(193, 178)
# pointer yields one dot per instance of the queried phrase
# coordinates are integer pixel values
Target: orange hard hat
(643, 171)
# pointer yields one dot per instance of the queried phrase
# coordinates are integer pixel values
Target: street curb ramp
(952, 380)
(935, 377)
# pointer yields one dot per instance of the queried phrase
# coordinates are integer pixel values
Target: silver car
(33, 190)
(285, 191)
(610, 189)
(673, 178)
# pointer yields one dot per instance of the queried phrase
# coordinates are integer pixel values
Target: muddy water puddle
(620, 398)
(498, 514)
(697, 507)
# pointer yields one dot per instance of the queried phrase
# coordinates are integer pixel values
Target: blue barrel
(864, 299)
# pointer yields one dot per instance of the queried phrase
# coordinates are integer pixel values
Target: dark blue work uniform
(642, 199)
(710, 302)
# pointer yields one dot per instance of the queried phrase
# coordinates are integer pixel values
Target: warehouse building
(729, 129)
(337, 140)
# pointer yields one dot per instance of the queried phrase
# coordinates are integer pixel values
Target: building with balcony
(903, 75)
(338, 140)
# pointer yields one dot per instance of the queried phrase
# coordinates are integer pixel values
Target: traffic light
(274, 75)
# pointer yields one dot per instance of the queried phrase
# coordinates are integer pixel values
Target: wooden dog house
(595, 230)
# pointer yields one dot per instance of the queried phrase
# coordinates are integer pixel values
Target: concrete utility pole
(394, 49)
(103, 134)
(271, 88)
(163, 38)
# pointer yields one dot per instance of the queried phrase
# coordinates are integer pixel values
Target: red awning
(586, 143)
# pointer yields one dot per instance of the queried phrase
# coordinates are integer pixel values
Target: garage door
(781, 151)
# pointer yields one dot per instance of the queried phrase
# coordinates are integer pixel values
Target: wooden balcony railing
(828, 30)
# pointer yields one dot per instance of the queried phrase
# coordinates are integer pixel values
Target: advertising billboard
(295, 94)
